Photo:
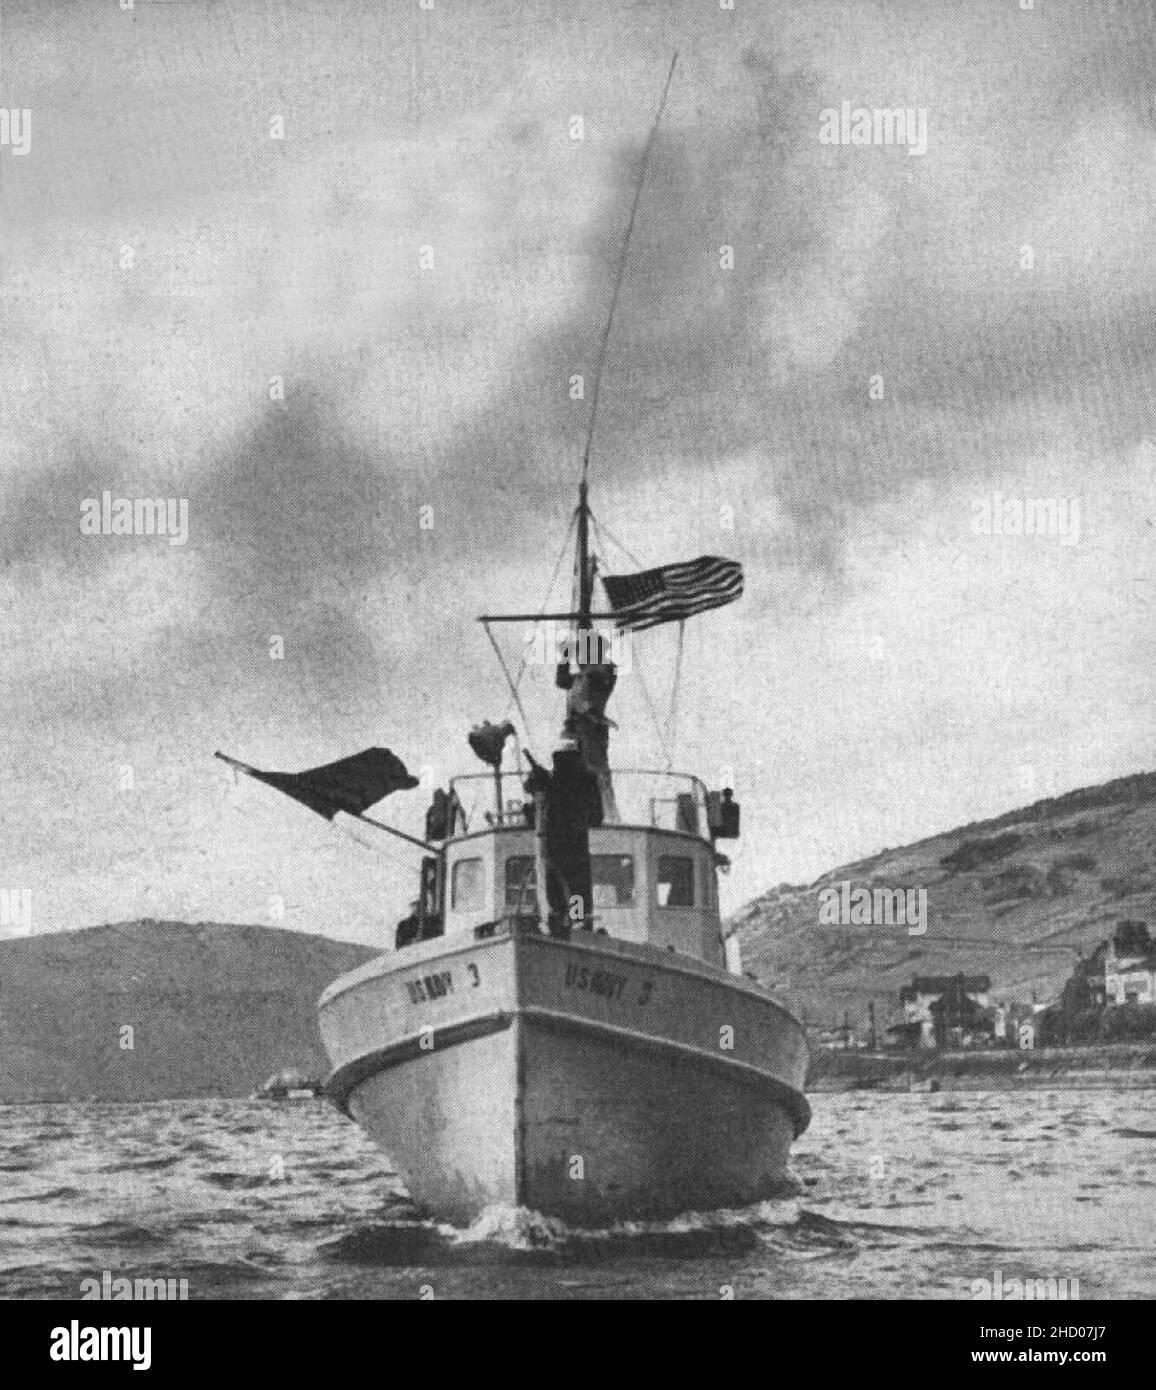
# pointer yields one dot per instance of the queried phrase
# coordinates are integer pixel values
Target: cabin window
(521, 883)
(613, 878)
(467, 888)
(674, 886)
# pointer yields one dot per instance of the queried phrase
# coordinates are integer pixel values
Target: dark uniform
(570, 806)
(587, 691)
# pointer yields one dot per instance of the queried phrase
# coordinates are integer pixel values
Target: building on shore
(1129, 979)
(941, 1011)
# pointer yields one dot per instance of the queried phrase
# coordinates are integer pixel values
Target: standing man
(588, 689)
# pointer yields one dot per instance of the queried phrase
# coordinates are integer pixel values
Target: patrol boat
(618, 1072)
(600, 1054)
(561, 1025)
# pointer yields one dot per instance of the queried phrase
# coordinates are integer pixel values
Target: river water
(899, 1196)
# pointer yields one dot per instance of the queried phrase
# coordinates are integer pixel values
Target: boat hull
(592, 1080)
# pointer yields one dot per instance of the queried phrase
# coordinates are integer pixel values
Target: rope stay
(605, 530)
(514, 682)
(603, 533)
(515, 698)
(605, 344)
(672, 724)
(545, 601)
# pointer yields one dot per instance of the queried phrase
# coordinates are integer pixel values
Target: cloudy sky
(889, 672)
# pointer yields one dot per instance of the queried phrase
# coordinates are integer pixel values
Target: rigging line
(610, 536)
(603, 533)
(517, 699)
(672, 725)
(653, 716)
(545, 605)
(622, 269)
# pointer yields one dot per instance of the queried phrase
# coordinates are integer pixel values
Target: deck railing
(664, 800)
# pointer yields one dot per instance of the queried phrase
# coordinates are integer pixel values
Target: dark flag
(673, 592)
(351, 784)
(488, 741)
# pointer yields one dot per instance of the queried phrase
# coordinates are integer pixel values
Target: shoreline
(1124, 1066)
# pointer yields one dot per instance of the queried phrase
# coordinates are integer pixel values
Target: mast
(563, 811)
(583, 571)
(583, 563)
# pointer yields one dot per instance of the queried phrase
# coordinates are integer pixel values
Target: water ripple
(892, 1196)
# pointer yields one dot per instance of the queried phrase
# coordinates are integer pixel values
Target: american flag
(673, 592)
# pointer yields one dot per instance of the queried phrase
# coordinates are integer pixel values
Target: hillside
(214, 1009)
(1014, 898)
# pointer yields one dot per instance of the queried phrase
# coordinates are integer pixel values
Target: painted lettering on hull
(427, 987)
(605, 983)
(440, 983)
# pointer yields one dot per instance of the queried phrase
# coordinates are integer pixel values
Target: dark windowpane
(675, 886)
(613, 876)
(521, 881)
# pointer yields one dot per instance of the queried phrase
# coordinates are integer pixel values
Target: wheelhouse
(654, 869)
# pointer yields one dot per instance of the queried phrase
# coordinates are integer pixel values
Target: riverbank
(1130, 1065)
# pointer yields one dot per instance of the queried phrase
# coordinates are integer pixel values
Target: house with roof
(1130, 981)
(946, 1011)
(1130, 966)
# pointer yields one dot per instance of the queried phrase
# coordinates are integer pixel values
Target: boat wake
(518, 1228)
(503, 1234)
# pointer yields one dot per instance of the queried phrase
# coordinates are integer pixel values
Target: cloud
(448, 387)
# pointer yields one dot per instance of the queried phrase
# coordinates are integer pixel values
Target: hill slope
(1014, 898)
(214, 1009)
